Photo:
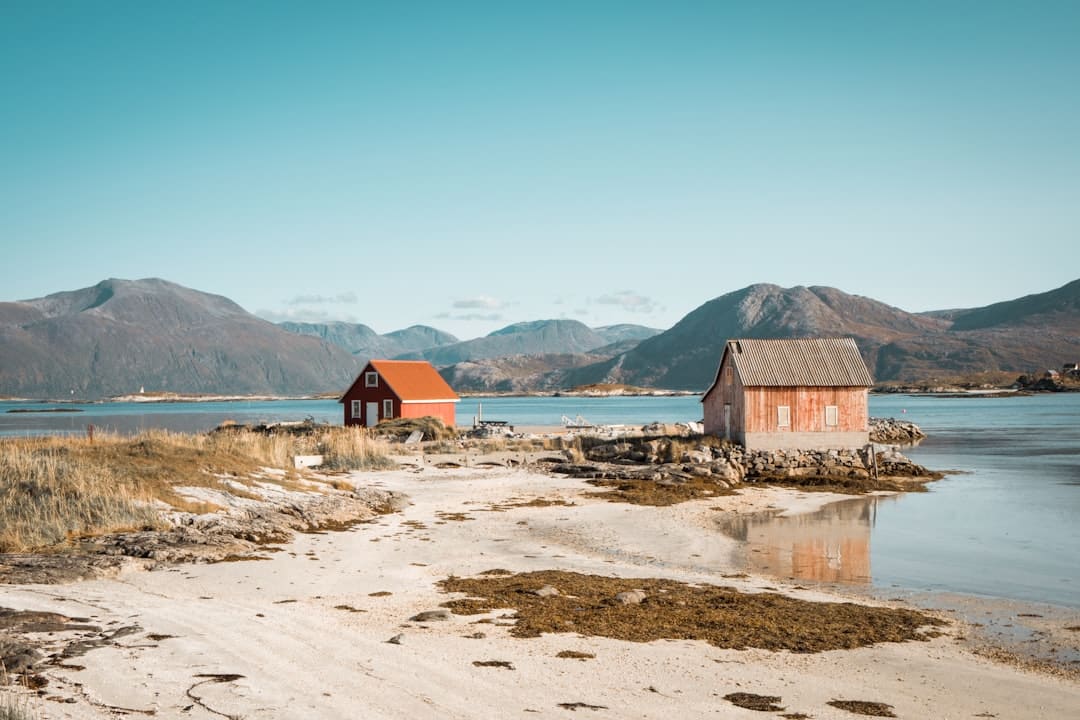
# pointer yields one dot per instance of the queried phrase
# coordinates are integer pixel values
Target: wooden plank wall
(807, 409)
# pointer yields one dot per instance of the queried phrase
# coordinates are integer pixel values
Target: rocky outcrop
(238, 533)
(668, 459)
(890, 431)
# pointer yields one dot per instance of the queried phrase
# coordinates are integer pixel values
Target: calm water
(1008, 526)
(202, 416)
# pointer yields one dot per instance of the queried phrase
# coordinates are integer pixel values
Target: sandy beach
(304, 634)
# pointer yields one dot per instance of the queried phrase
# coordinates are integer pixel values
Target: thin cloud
(303, 314)
(480, 302)
(629, 301)
(485, 317)
(348, 298)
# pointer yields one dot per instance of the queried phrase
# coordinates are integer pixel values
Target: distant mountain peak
(119, 335)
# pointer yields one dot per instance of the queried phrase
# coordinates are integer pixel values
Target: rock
(631, 597)
(697, 457)
(396, 640)
(546, 591)
(893, 431)
(431, 615)
(18, 657)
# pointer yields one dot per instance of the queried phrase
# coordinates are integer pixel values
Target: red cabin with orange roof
(387, 389)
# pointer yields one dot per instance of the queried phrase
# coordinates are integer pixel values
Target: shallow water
(1006, 526)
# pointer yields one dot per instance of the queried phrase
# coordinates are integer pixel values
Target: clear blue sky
(467, 165)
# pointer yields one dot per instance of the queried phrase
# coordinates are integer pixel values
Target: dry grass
(400, 428)
(53, 489)
(721, 616)
(48, 494)
(353, 448)
(14, 707)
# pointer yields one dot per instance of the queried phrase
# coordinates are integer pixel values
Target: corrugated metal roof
(414, 380)
(802, 362)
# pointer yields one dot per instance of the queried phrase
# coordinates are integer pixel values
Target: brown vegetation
(864, 707)
(56, 488)
(724, 617)
(401, 428)
(751, 701)
(649, 492)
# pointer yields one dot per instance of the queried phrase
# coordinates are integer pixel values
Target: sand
(304, 634)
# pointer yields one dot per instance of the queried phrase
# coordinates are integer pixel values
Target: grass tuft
(55, 489)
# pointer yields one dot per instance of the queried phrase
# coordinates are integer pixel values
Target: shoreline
(327, 620)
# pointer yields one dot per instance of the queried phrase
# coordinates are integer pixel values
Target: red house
(388, 389)
(802, 394)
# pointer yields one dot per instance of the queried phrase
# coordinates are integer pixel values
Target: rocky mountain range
(121, 335)
(1041, 330)
(533, 338)
(365, 343)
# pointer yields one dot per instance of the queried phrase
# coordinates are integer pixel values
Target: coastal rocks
(238, 533)
(214, 537)
(431, 615)
(18, 656)
(50, 569)
(677, 460)
(29, 638)
(890, 431)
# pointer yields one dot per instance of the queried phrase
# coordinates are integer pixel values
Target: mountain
(420, 337)
(1034, 332)
(538, 337)
(121, 335)
(1060, 306)
(515, 373)
(1018, 335)
(685, 357)
(365, 343)
(624, 332)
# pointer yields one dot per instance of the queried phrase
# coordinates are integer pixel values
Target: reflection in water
(829, 545)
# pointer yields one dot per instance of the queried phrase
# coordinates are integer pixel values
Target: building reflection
(831, 545)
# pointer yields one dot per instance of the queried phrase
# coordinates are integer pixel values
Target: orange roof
(414, 380)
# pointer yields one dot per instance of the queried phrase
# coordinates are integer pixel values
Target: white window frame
(783, 416)
(388, 409)
(371, 379)
(832, 412)
(357, 408)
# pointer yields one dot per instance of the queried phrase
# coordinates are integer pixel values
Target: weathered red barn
(806, 394)
(387, 389)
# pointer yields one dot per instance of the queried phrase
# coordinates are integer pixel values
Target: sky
(467, 165)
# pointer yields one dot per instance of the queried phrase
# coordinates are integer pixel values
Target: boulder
(631, 597)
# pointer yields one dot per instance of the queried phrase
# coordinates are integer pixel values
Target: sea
(1004, 523)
